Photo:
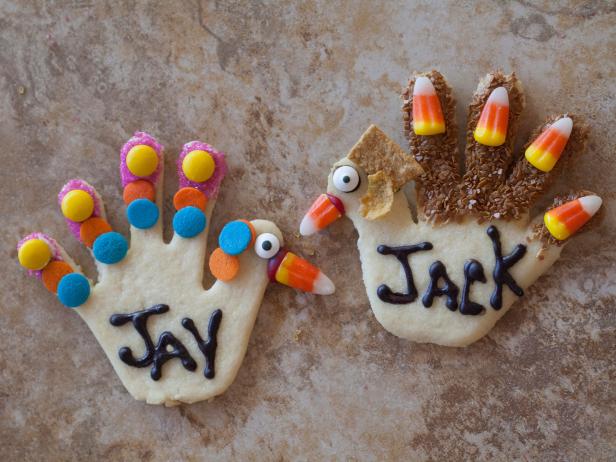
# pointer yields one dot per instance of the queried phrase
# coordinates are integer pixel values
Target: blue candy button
(110, 247)
(235, 237)
(142, 213)
(73, 290)
(189, 221)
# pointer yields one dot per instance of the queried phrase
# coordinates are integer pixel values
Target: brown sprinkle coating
(526, 183)
(438, 188)
(487, 166)
(497, 184)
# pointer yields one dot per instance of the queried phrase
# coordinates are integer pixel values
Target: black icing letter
(501, 274)
(473, 271)
(208, 348)
(402, 255)
(437, 272)
(156, 355)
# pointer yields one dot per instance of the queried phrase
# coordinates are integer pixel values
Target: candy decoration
(53, 273)
(189, 197)
(253, 232)
(545, 151)
(212, 185)
(267, 245)
(427, 113)
(92, 228)
(325, 210)
(77, 205)
(198, 166)
(293, 271)
(142, 160)
(141, 143)
(34, 254)
(73, 290)
(565, 220)
(139, 189)
(142, 213)
(235, 237)
(491, 129)
(189, 222)
(224, 267)
(110, 248)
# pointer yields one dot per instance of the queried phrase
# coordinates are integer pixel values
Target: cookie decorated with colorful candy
(447, 273)
(168, 339)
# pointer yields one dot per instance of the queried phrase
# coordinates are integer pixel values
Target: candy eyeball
(267, 245)
(346, 179)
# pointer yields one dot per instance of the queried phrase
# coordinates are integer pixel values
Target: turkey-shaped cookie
(449, 275)
(168, 339)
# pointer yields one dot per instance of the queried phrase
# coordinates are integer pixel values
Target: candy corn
(491, 129)
(427, 112)
(293, 271)
(545, 151)
(565, 220)
(325, 210)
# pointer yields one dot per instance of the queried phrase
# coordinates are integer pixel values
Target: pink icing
(211, 186)
(137, 139)
(55, 249)
(79, 184)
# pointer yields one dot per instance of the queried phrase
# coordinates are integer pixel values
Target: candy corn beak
(565, 220)
(325, 210)
(293, 271)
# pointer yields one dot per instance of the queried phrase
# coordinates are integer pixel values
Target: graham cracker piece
(375, 152)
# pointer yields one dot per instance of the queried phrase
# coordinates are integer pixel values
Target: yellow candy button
(142, 160)
(34, 254)
(77, 205)
(198, 166)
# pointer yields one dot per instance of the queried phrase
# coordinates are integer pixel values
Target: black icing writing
(437, 272)
(473, 271)
(168, 346)
(501, 274)
(402, 255)
(208, 348)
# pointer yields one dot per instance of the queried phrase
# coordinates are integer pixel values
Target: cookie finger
(546, 155)
(491, 128)
(46, 260)
(141, 171)
(201, 169)
(84, 213)
(430, 126)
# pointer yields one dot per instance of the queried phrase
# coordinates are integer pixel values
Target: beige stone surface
(286, 89)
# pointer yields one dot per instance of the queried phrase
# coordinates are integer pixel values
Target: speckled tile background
(285, 89)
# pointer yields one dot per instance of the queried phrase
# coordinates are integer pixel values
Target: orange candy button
(52, 274)
(224, 267)
(189, 197)
(91, 229)
(139, 189)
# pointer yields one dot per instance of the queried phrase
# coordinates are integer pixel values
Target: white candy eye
(346, 178)
(267, 245)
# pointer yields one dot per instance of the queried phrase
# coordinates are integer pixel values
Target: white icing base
(154, 272)
(454, 244)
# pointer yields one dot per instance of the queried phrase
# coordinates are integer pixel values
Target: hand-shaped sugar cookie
(169, 340)
(448, 276)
